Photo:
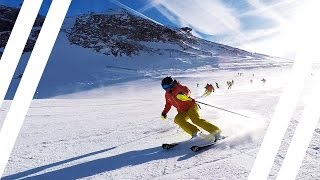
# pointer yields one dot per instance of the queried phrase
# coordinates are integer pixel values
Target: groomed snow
(115, 132)
(98, 117)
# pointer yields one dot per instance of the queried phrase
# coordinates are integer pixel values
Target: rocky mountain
(118, 32)
(8, 16)
(94, 50)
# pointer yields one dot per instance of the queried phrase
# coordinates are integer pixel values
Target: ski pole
(222, 109)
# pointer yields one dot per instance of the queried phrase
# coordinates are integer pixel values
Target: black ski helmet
(167, 83)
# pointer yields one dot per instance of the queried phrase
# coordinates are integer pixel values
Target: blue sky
(258, 26)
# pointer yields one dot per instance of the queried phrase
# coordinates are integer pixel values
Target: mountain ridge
(118, 32)
(8, 16)
(95, 50)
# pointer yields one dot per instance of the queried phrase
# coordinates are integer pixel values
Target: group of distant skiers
(208, 86)
(230, 83)
(251, 80)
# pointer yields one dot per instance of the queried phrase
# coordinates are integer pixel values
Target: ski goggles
(167, 86)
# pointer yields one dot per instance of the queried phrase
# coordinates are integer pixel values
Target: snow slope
(72, 68)
(115, 132)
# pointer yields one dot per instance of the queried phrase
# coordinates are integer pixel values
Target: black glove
(163, 116)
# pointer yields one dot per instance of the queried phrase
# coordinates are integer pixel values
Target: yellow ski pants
(182, 120)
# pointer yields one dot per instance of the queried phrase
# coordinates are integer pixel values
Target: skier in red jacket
(178, 96)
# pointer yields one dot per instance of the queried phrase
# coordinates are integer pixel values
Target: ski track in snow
(116, 132)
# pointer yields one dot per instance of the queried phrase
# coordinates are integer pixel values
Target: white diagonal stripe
(302, 137)
(310, 116)
(288, 100)
(16, 43)
(31, 78)
(280, 120)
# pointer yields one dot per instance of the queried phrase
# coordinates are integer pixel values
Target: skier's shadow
(97, 166)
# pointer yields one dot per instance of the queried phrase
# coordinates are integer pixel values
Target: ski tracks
(207, 159)
(198, 168)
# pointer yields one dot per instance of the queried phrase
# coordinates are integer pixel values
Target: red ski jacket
(171, 99)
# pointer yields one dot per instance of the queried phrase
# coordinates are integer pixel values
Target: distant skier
(178, 96)
(208, 90)
(263, 80)
(217, 85)
(230, 83)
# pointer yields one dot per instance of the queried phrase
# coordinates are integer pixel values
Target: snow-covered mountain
(98, 49)
(8, 16)
(118, 32)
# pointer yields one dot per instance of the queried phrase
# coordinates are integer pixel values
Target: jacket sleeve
(167, 107)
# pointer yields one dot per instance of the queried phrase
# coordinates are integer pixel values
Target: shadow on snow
(98, 166)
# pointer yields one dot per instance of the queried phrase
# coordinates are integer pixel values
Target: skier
(178, 96)
(229, 83)
(217, 85)
(208, 90)
(209, 87)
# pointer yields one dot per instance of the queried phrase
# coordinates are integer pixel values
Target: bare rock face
(120, 33)
(8, 16)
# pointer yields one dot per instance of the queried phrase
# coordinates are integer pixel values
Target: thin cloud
(206, 17)
(274, 40)
(133, 11)
(279, 11)
(209, 17)
(282, 7)
(224, 24)
(148, 6)
(252, 36)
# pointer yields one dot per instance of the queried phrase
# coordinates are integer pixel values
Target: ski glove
(163, 116)
(183, 97)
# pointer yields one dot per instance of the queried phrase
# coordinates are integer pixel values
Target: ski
(199, 148)
(193, 148)
(169, 146)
